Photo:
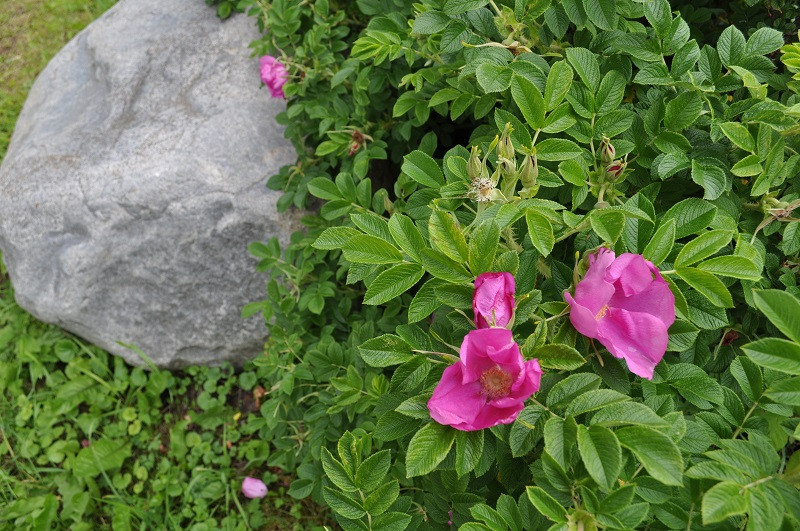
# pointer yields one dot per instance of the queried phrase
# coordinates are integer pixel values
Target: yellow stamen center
(602, 313)
(496, 382)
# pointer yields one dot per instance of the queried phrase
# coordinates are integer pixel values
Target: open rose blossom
(493, 299)
(273, 75)
(488, 386)
(626, 304)
(253, 488)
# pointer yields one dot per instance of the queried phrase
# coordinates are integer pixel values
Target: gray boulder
(135, 180)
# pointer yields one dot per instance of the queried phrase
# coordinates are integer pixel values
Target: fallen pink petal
(488, 386)
(253, 488)
(626, 305)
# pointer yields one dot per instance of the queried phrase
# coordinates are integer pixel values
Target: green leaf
(766, 508)
(739, 135)
(555, 149)
(546, 504)
(393, 521)
(415, 407)
(683, 111)
(585, 64)
(428, 448)
(593, 400)
(747, 167)
(523, 434)
(483, 247)
(658, 248)
(343, 504)
(425, 301)
(540, 231)
(570, 387)
(602, 13)
(610, 93)
(732, 266)
(785, 392)
(764, 41)
(705, 245)
(708, 285)
(484, 513)
(691, 216)
(749, 377)
(422, 168)
(774, 353)
(711, 177)
(385, 350)
(624, 413)
(559, 80)
(336, 471)
(392, 282)
(334, 238)
(456, 7)
(382, 499)
(440, 266)
(656, 451)
(722, 501)
(608, 224)
(365, 249)
(659, 15)
(558, 356)
(445, 234)
(324, 188)
(600, 453)
(682, 335)
(782, 309)
(529, 100)
(469, 449)
(102, 455)
(731, 45)
(430, 22)
(493, 78)
(406, 235)
(372, 470)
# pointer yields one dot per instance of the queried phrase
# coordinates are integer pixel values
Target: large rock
(135, 180)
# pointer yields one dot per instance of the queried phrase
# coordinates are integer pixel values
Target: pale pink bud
(253, 488)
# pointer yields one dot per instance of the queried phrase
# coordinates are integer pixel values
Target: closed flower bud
(614, 170)
(529, 172)
(607, 151)
(475, 166)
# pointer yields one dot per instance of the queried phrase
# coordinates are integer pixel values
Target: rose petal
(581, 317)
(454, 403)
(474, 351)
(594, 291)
(630, 274)
(639, 338)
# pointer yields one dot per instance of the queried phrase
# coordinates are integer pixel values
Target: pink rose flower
(493, 300)
(626, 304)
(253, 488)
(273, 75)
(488, 386)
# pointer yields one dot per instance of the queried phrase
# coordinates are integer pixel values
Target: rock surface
(135, 180)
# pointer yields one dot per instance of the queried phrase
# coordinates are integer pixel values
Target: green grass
(86, 441)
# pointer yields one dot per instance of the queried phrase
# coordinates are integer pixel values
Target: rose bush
(632, 166)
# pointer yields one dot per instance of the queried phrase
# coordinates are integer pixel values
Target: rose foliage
(627, 171)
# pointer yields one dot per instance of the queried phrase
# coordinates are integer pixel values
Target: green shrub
(517, 102)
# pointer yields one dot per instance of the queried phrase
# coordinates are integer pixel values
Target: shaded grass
(31, 33)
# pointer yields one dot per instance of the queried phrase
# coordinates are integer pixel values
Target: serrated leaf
(585, 64)
(707, 285)
(382, 499)
(658, 248)
(628, 413)
(602, 13)
(456, 7)
(558, 356)
(428, 448)
(782, 309)
(559, 79)
(343, 504)
(764, 41)
(555, 149)
(493, 78)
(392, 283)
(422, 168)
(372, 470)
(593, 400)
(483, 247)
(366, 249)
(722, 501)
(546, 504)
(469, 449)
(406, 235)
(385, 350)
(608, 224)
(683, 111)
(656, 451)
(334, 238)
(529, 100)
(446, 235)
(733, 267)
(774, 353)
(601, 454)
(739, 135)
(441, 266)
(540, 231)
(705, 245)
(336, 472)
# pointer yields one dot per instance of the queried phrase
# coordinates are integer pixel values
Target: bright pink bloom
(493, 300)
(273, 75)
(625, 304)
(253, 488)
(488, 386)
